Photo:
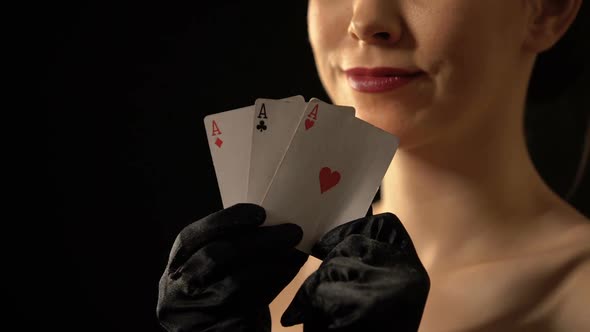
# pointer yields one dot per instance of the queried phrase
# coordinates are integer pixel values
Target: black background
(126, 85)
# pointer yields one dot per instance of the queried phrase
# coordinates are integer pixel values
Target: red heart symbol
(328, 179)
(308, 123)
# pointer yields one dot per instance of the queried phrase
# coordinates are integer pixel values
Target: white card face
(330, 173)
(230, 137)
(273, 126)
(298, 98)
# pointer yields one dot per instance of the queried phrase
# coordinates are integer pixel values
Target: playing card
(275, 122)
(330, 173)
(230, 138)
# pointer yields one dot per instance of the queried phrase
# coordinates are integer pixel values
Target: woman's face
(465, 58)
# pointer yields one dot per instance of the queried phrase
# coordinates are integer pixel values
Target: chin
(392, 124)
(408, 128)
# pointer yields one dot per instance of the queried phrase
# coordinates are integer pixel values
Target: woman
(450, 79)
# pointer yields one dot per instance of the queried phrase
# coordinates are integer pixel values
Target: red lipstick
(380, 79)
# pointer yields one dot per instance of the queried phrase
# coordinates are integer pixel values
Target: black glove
(224, 270)
(371, 279)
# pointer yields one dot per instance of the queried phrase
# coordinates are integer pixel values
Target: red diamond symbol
(218, 142)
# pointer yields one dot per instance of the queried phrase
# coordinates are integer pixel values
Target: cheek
(444, 34)
(465, 46)
(327, 30)
(313, 23)
(328, 22)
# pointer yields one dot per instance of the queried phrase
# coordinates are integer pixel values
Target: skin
(504, 253)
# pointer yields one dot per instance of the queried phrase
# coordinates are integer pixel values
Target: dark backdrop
(126, 86)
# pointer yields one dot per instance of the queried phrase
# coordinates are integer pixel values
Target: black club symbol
(261, 126)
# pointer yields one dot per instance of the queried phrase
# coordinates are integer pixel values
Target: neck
(459, 198)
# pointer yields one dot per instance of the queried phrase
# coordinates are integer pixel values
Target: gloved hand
(224, 270)
(370, 280)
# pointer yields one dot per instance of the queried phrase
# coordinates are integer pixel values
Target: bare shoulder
(574, 230)
(571, 239)
(571, 297)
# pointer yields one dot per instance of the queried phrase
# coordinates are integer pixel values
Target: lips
(379, 79)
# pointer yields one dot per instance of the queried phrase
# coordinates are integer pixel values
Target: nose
(375, 22)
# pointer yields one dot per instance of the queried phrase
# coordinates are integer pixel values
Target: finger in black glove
(225, 269)
(371, 279)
